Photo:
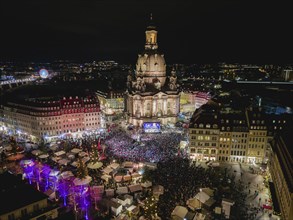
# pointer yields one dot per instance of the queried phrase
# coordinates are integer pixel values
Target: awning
(274, 197)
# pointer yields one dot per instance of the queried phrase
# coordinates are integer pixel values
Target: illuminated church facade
(152, 96)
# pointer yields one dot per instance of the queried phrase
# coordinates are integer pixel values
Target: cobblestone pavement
(257, 193)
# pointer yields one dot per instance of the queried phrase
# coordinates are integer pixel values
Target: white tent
(106, 177)
(135, 188)
(51, 193)
(136, 176)
(75, 150)
(82, 154)
(128, 164)
(43, 156)
(109, 192)
(118, 178)
(107, 170)
(126, 178)
(85, 159)
(55, 159)
(158, 190)
(54, 173)
(70, 156)
(54, 147)
(193, 204)
(122, 190)
(146, 184)
(84, 181)
(66, 174)
(114, 165)
(59, 153)
(36, 152)
(75, 164)
(63, 162)
(199, 216)
(96, 165)
(179, 212)
(98, 189)
(202, 196)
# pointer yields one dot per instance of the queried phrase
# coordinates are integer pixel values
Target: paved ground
(258, 193)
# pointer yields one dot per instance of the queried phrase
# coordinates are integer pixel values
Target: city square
(111, 169)
(146, 110)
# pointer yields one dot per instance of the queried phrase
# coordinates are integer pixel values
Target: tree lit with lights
(82, 171)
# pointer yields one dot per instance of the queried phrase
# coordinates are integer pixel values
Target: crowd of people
(146, 148)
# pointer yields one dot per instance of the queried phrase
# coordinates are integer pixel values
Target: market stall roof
(43, 156)
(118, 178)
(180, 212)
(94, 166)
(82, 154)
(15, 157)
(85, 159)
(59, 153)
(54, 147)
(122, 190)
(146, 184)
(84, 181)
(66, 174)
(107, 170)
(75, 164)
(26, 162)
(128, 164)
(105, 177)
(109, 192)
(210, 202)
(54, 173)
(193, 203)
(63, 161)
(98, 189)
(114, 165)
(135, 188)
(37, 152)
(158, 189)
(136, 175)
(76, 150)
(126, 178)
(202, 196)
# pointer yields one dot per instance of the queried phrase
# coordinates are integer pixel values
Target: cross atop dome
(151, 36)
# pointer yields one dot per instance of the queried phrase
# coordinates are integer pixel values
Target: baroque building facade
(233, 136)
(152, 96)
(45, 118)
(281, 162)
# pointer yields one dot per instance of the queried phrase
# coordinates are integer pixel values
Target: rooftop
(20, 193)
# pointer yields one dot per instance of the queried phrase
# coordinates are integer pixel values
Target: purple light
(63, 188)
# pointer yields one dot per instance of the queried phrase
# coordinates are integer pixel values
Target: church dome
(151, 65)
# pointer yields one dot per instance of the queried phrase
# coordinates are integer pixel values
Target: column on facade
(164, 106)
(154, 107)
(143, 106)
(178, 105)
(130, 106)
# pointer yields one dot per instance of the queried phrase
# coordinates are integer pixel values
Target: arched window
(148, 106)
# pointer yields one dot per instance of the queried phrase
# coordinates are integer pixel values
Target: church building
(152, 96)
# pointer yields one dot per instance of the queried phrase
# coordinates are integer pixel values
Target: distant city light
(44, 73)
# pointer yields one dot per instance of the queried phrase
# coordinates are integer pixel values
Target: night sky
(190, 31)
